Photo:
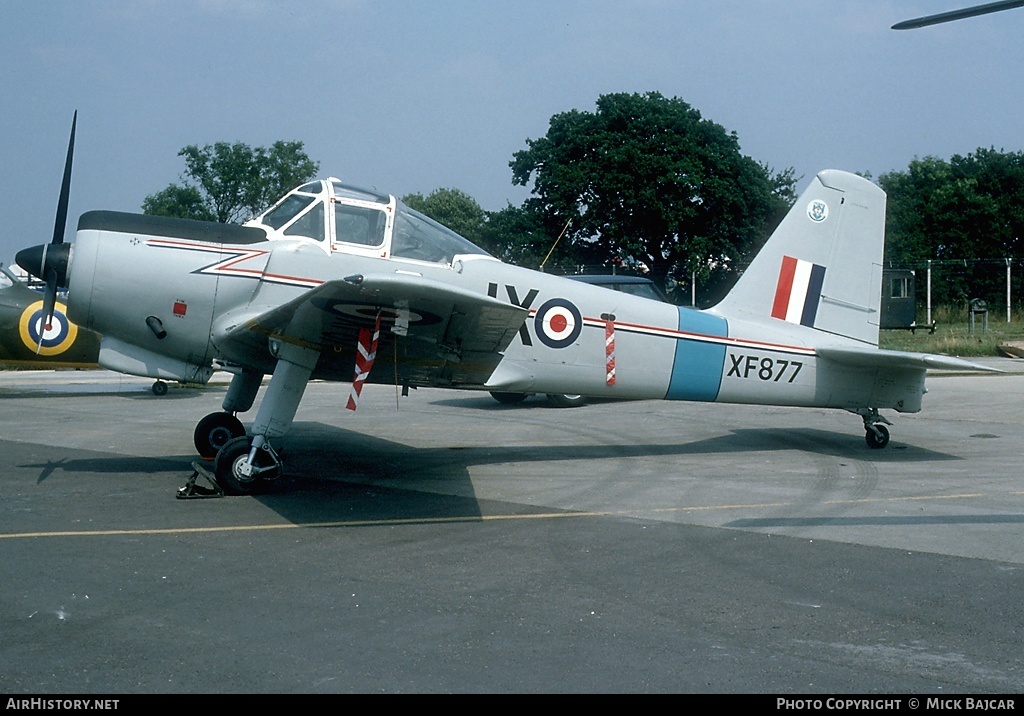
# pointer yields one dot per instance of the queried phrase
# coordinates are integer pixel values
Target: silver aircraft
(334, 279)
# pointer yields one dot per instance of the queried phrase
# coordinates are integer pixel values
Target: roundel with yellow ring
(49, 340)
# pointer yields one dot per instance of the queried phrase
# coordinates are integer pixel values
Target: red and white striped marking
(366, 354)
(609, 352)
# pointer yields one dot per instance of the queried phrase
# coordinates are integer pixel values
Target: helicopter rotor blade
(963, 13)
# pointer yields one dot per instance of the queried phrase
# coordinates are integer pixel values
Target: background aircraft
(971, 11)
(334, 279)
(26, 342)
(63, 344)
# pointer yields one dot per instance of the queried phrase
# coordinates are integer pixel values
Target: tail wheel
(877, 437)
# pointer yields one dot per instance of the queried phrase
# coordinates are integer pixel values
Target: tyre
(214, 431)
(159, 388)
(227, 468)
(877, 441)
(508, 398)
(566, 401)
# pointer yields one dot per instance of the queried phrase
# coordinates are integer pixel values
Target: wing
(878, 358)
(433, 333)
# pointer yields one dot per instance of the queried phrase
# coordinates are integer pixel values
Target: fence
(937, 282)
(961, 283)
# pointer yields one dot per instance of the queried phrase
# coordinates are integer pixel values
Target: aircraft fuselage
(197, 288)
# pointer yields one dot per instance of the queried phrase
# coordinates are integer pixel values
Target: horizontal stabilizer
(878, 358)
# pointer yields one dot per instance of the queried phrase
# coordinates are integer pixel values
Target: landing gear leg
(242, 391)
(875, 433)
(243, 464)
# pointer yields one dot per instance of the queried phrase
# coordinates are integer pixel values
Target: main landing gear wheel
(214, 431)
(159, 388)
(233, 472)
(566, 401)
(508, 398)
(877, 437)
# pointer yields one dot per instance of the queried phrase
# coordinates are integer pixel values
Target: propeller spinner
(49, 262)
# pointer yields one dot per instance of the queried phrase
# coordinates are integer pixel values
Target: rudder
(822, 267)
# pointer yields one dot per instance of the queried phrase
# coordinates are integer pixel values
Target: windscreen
(287, 210)
(419, 237)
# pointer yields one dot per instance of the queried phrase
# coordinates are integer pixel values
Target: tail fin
(822, 268)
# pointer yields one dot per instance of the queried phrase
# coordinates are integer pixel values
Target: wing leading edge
(434, 333)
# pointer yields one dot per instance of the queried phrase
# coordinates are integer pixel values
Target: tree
(183, 202)
(517, 234)
(232, 181)
(646, 179)
(965, 210)
(514, 234)
(454, 208)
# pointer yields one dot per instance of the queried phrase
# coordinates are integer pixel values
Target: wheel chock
(192, 491)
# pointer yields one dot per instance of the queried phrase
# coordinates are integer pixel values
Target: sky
(414, 95)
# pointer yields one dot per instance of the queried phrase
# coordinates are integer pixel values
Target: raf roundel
(367, 312)
(558, 323)
(46, 340)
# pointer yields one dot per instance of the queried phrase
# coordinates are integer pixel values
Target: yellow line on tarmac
(824, 502)
(456, 520)
(905, 499)
(292, 526)
(707, 508)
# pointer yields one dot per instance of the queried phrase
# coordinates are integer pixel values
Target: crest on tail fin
(822, 268)
(817, 210)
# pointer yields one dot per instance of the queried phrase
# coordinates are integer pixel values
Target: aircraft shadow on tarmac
(133, 392)
(323, 447)
(331, 469)
(338, 475)
(106, 465)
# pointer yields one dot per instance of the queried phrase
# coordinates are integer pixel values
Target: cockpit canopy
(347, 219)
